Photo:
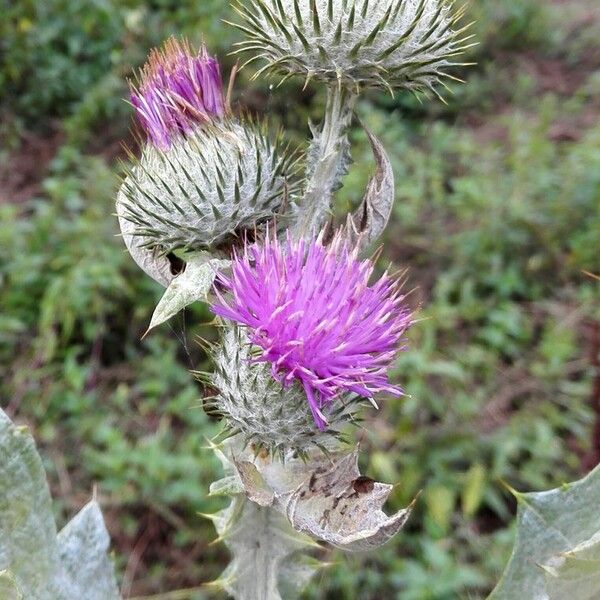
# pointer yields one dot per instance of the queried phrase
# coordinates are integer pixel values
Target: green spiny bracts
(207, 188)
(268, 415)
(371, 43)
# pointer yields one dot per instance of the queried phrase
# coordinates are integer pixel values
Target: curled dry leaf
(151, 262)
(326, 497)
(371, 218)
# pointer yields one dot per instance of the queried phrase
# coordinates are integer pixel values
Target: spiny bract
(383, 43)
(208, 188)
(267, 414)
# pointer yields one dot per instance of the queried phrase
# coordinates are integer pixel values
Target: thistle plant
(318, 321)
(216, 210)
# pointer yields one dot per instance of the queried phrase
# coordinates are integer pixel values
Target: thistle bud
(204, 177)
(266, 413)
(372, 43)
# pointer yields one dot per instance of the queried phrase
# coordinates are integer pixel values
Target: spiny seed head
(382, 43)
(316, 317)
(178, 89)
(267, 414)
(208, 188)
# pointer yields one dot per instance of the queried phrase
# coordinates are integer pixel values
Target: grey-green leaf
(556, 553)
(83, 545)
(42, 565)
(8, 587)
(28, 545)
(369, 221)
(191, 285)
(575, 574)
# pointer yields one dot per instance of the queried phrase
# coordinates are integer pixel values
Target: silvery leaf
(325, 497)
(28, 545)
(42, 565)
(8, 587)
(83, 545)
(556, 553)
(193, 284)
(575, 574)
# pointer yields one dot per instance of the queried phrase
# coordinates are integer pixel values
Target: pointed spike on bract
(519, 496)
(374, 43)
(214, 517)
(170, 198)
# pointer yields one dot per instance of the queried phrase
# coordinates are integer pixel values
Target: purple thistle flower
(178, 90)
(312, 311)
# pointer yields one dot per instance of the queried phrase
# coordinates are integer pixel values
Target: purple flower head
(317, 319)
(178, 89)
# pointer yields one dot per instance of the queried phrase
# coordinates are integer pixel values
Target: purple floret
(312, 311)
(178, 89)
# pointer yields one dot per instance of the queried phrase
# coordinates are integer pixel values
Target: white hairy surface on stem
(328, 155)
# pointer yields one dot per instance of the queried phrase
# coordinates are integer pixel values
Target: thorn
(220, 584)
(509, 488)
(214, 517)
(218, 540)
(232, 76)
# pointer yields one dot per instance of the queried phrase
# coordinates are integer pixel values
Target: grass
(497, 218)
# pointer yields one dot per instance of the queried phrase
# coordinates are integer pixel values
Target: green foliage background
(497, 216)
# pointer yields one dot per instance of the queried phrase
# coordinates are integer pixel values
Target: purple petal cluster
(318, 320)
(178, 89)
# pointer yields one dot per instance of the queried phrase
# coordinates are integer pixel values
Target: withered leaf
(151, 262)
(326, 497)
(371, 218)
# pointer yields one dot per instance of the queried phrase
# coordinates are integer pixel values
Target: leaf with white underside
(371, 218)
(193, 284)
(325, 497)
(83, 545)
(8, 587)
(42, 564)
(557, 548)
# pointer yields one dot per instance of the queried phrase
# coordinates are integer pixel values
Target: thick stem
(327, 158)
(267, 561)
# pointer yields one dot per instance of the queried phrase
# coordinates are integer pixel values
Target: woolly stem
(267, 561)
(328, 158)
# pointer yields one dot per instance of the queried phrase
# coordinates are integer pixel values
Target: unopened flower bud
(382, 43)
(204, 177)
